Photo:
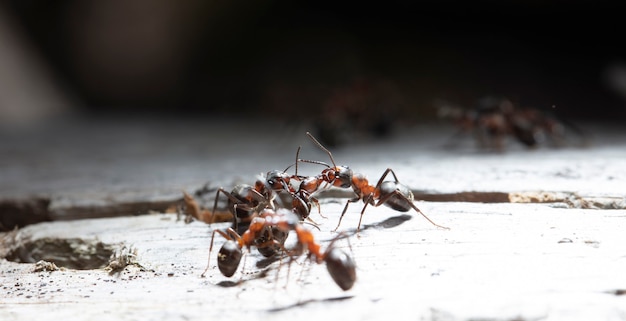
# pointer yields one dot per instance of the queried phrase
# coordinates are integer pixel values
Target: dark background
(301, 60)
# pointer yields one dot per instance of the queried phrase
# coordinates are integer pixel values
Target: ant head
(228, 258)
(274, 234)
(338, 176)
(248, 195)
(341, 268)
(277, 180)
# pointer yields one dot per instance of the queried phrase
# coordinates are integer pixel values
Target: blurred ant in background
(495, 119)
(389, 193)
(339, 264)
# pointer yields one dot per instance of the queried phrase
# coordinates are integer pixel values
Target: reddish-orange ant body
(340, 265)
(389, 193)
(244, 202)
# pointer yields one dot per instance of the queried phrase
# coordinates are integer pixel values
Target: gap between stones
(21, 212)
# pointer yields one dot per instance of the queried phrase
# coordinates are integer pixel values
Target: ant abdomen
(400, 196)
(341, 268)
(228, 258)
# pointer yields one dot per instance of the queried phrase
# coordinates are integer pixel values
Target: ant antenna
(297, 156)
(312, 223)
(300, 160)
(322, 147)
(288, 167)
(313, 162)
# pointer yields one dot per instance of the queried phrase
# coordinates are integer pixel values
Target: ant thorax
(361, 186)
(309, 184)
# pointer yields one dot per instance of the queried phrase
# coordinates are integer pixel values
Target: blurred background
(117, 101)
(372, 65)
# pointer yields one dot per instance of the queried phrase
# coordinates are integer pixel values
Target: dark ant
(245, 200)
(238, 225)
(495, 119)
(389, 193)
(340, 265)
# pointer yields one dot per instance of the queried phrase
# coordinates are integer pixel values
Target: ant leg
(235, 218)
(382, 178)
(354, 200)
(339, 236)
(317, 203)
(243, 266)
(368, 201)
(261, 199)
(222, 233)
(384, 199)
(217, 196)
(280, 264)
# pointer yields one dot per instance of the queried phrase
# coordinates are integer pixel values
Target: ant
(389, 193)
(339, 264)
(494, 119)
(243, 203)
(245, 200)
(212, 217)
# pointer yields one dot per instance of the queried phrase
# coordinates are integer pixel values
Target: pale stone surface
(499, 261)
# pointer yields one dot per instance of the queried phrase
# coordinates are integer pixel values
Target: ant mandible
(389, 193)
(339, 264)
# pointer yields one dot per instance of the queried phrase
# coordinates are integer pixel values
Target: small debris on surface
(44, 266)
(126, 256)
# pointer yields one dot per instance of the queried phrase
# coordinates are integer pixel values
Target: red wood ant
(389, 193)
(239, 224)
(340, 265)
(495, 119)
(245, 200)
